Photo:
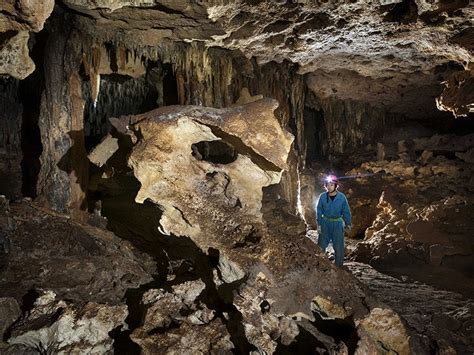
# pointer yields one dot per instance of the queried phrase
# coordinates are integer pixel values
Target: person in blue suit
(334, 216)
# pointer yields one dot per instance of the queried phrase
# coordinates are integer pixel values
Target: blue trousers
(333, 231)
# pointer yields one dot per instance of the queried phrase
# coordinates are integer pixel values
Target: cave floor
(431, 312)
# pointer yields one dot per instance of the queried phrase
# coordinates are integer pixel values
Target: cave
(169, 170)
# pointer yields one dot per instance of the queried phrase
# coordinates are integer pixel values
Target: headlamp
(330, 179)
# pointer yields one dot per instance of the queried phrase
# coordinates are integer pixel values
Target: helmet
(330, 178)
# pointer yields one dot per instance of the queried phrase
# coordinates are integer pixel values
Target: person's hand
(348, 228)
(319, 229)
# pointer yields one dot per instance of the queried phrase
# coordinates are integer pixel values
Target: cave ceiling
(389, 53)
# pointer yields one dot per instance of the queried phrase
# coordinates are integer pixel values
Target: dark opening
(217, 152)
(340, 329)
(112, 54)
(170, 87)
(313, 130)
(30, 92)
(403, 12)
(118, 95)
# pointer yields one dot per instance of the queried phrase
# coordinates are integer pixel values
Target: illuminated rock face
(392, 53)
(53, 325)
(205, 168)
(458, 94)
(24, 15)
(199, 163)
(17, 18)
(14, 58)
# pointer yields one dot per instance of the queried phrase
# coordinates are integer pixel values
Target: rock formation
(199, 131)
(205, 168)
(16, 19)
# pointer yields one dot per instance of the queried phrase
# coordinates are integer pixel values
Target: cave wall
(178, 73)
(117, 80)
(10, 138)
(341, 125)
(64, 167)
(89, 79)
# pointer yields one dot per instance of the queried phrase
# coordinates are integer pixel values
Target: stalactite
(204, 76)
(119, 95)
(346, 124)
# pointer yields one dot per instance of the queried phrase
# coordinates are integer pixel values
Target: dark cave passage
(30, 92)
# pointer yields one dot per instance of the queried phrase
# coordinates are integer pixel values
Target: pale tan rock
(69, 330)
(111, 5)
(246, 98)
(256, 135)
(385, 326)
(212, 338)
(24, 15)
(14, 58)
(328, 307)
(101, 153)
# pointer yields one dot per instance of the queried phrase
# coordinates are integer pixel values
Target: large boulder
(206, 168)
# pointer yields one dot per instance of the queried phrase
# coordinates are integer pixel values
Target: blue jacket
(339, 207)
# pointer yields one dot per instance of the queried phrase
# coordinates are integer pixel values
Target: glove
(319, 229)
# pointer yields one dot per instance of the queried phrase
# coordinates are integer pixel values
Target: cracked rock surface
(444, 319)
(205, 170)
(76, 261)
(392, 55)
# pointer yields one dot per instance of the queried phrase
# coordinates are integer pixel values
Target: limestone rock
(54, 326)
(164, 308)
(108, 147)
(9, 312)
(441, 317)
(390, 331)
(205, 168)
(24, 15)
(238, 181)
(14, 58)
(76, 261)
(211, 338)
(458, 96)
(468, 156)
(17, 17)
(199, 331)
(412, 47)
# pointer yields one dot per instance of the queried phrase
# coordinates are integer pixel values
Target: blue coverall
(331, 216)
